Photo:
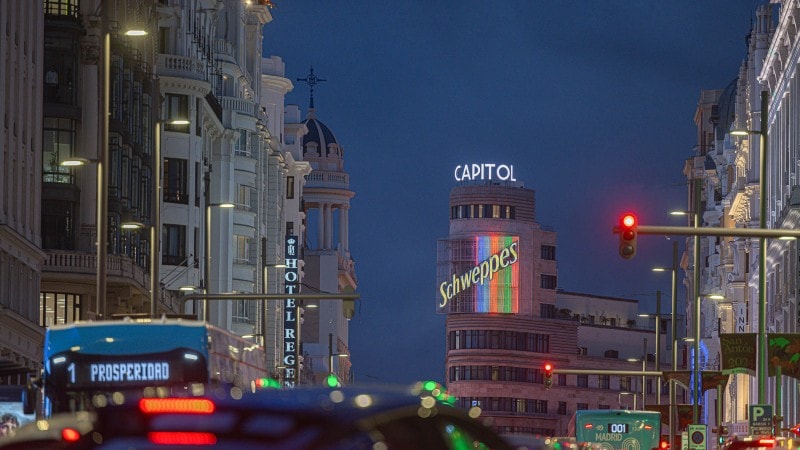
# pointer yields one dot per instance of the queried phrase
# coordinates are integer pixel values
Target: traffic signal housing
(548, 375)
(627, 235)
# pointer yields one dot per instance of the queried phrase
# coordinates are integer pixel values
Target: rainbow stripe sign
(478, 275)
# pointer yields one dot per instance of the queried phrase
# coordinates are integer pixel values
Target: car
(751, 443)
(352, 417)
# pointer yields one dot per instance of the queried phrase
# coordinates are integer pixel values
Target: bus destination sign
(85, 373)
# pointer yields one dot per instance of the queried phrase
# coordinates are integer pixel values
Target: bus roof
(126, 337)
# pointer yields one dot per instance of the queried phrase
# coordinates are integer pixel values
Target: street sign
(697, 437)
(684, 440)
(760, 420)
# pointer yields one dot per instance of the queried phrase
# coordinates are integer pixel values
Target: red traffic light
(548, 375)
(627, 235)
(548, 367)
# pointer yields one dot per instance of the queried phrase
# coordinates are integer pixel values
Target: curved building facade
(497, 282)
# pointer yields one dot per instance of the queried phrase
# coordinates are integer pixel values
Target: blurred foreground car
(56, 432)
(753, 443)
(304, 418)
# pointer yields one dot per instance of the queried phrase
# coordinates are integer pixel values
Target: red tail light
(587, 426)
(767, 442)
(181, 438)
(176, 406)
(70, 435)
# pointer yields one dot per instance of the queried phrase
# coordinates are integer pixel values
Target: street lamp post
(673, 338)
(102, 171)
(761, 353)
(207, 264)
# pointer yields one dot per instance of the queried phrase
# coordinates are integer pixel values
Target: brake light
(70, 435)
(766, 442)
(181, 438)
(587, 426)
(648, 427)
(176, 406)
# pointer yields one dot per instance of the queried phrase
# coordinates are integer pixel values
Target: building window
(58, 224)
(243, 196)
(242, 147)
(289, 187)
(549, 252)
(177, 107)
(581, 406)
(603, 407)
(175, 181)
(58, 143)
(604, 382)
(562, 379)
(547, 311)
(549, 281)
(583, 380)
(583, 351)
(562, 408)
(625, 384)
(173, 244)
(58, 308)
(241, 249)
(611, 354)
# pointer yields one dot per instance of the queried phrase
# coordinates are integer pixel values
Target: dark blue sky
(591, 101)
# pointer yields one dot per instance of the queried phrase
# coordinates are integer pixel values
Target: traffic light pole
(724, 232)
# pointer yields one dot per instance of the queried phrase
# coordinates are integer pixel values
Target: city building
(21, 258)
(497, 281)
(328, 265)
(725, 178)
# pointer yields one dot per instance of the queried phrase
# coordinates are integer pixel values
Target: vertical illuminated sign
(291, 339)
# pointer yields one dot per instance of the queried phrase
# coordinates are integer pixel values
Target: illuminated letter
(476, 273)
(444, 294)
(491, 169)
(476, 171)
(456, 173)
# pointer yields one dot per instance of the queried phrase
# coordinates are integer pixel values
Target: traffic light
(548, 375)
(627, 235)
(664, 444)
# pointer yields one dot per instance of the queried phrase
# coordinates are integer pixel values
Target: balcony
(239, 105)
(81, 263)
(337, 180)
(181, 67)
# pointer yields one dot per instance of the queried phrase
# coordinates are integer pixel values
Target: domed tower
(326, 254)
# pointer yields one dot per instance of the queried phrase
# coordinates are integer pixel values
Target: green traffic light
(332, 381)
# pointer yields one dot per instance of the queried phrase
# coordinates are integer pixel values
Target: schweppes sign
(489, 284)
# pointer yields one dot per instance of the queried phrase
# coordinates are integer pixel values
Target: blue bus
(90, 362)
(613, 429)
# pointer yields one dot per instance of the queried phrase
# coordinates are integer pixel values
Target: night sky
(593, 103)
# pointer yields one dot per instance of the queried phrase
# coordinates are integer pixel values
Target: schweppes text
(479, 274)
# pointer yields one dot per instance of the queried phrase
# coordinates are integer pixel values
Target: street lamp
(674, 343)
(331, 355)
(657, 316)
(761, 353)
(207, 264)
(644, 369)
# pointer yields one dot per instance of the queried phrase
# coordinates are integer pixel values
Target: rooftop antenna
(311, 80)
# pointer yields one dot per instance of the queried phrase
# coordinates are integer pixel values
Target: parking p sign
(760, 420)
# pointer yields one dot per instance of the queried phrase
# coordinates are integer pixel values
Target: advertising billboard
(11, 414)
(479, 274)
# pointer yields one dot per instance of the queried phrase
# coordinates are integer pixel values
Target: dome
(726, 108)
(319, 136)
